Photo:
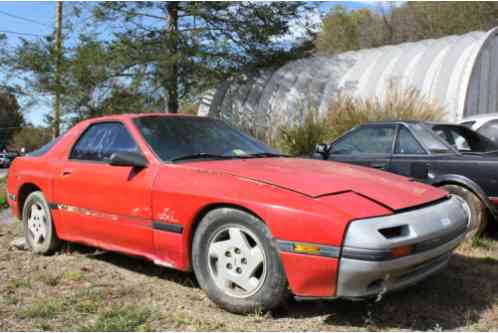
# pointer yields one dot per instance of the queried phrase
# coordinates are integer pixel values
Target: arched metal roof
(458, 72)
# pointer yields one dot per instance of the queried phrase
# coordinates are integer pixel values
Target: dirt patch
(81, 288)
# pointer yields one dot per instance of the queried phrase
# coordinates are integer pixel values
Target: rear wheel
(475, 207)
(236, 264)
(39, 229)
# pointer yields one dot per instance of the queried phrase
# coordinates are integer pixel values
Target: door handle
(66, 172)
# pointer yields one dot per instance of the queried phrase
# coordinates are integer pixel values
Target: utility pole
(57, 74)
(172, 80)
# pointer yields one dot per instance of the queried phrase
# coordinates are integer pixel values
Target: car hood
(316, 178)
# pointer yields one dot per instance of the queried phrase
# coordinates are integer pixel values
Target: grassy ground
(84, 289)
(3, 199)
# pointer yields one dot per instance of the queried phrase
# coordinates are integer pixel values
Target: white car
(485, 124)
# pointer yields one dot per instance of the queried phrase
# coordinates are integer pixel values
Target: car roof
(140, 115)
(480, 116)
(407, 122)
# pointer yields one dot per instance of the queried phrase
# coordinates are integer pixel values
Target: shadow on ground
(137, 265)
(447, 301)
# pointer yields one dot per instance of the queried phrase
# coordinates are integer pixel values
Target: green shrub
(300, 139)
(3, 193)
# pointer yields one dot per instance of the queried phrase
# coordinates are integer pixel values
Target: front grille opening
(394, 232)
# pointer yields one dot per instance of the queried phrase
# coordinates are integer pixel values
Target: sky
(36, 18)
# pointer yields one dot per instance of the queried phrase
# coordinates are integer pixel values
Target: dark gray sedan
(462, 161)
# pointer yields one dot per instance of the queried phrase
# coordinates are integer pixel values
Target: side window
(367, 140)
(453, 137)
(407, 144)
(100, 141)
(490, 130)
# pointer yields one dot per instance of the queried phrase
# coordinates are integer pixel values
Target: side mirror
(133, 159)
(323, 149)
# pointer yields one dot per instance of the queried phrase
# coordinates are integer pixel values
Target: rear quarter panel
(481, 171)
(29, 170)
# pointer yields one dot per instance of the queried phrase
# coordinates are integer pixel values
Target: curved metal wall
(458, 72)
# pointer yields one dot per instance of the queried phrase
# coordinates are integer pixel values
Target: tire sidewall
(48, 244)
(275, 283)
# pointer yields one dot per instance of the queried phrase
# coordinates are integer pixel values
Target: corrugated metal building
(458, 72)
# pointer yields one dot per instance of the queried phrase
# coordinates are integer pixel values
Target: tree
(345, 31)
(181, 48)
(31, 138)
(11, 119)
(411, 21)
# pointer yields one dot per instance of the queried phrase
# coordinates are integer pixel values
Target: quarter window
(490, 130)
(101, 140)
(367, 140)
(407, 143)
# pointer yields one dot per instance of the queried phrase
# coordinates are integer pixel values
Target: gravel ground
(81, 288)
(6, 217)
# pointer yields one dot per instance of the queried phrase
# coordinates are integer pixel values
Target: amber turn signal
(306, 248)
(402, 251)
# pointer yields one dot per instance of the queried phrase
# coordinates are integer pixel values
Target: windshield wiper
(215, 156)
(200, 156)
(265, 155)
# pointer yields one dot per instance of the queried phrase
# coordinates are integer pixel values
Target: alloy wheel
(237, 261)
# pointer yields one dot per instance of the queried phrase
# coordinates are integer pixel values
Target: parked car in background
(4, 160)
(467, 168)
(193, 193)
(485, 124)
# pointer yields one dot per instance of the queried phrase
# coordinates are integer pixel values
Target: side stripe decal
(157, 225)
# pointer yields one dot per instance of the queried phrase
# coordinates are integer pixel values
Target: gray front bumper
(365, 268)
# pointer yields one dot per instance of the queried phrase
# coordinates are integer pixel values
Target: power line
(19, 33)
(24, 18)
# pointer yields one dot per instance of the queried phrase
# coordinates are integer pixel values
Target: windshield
(465, 139)
(429, 140)
(174, 138)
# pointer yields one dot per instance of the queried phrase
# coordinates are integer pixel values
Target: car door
(410, 158)
(369, 145)
(104, 205)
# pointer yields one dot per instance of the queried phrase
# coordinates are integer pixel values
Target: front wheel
(236, 263)
(474, 206)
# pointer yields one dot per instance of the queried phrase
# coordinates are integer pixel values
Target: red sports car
(193, 193)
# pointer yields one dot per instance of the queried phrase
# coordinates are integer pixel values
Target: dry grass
(83, 289)
(346, 112)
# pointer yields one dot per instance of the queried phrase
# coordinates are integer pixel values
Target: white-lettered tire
(237, 263)
(39, 229)
(478, 212)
